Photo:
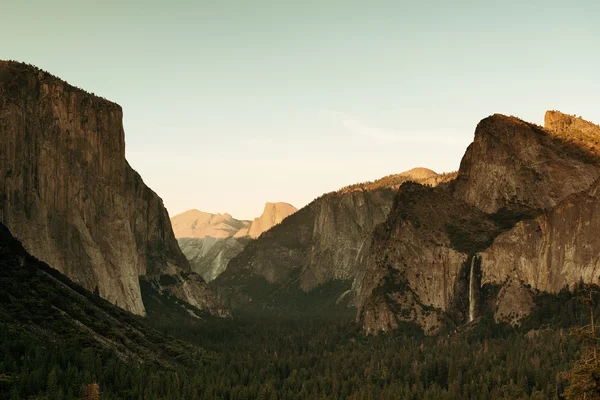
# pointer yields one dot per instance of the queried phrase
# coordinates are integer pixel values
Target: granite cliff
(428, 261)
(69, 195)
(272, 215)
(557, 249)
(310, 260)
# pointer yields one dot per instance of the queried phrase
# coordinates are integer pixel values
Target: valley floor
(274, 359)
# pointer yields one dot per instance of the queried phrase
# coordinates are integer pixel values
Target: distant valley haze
(228, 105)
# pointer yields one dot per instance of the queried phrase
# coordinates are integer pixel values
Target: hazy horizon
(250, 103)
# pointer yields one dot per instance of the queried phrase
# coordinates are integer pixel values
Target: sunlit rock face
(272, 215)
(418, 266)
(519, 167)
(68, 193)
(209, 256)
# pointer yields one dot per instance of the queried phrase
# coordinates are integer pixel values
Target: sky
(229, 104)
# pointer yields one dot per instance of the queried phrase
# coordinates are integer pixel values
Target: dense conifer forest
(59, 341)
(318, 359)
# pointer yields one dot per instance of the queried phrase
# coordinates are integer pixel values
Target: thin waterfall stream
(472, 290)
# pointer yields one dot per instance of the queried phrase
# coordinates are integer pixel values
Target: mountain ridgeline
(210, 241)
(307, 264)
(69, 195)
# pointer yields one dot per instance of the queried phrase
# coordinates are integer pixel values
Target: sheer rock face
(520, 167)
(419, 262)
(67, 192)
(272, 215)
(558, 248)
(323, 242)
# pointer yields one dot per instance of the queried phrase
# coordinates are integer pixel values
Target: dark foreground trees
(319, 359)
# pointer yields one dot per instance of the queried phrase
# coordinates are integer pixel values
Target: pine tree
(91, 391)
(584, 378)
(52, 386)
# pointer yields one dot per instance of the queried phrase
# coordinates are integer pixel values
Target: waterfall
(472, 299)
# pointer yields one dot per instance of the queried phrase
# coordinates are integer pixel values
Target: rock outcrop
(272, 215)
(69, 195)
(513, 302)
(421, 258)
(517, 167)
(320, 246)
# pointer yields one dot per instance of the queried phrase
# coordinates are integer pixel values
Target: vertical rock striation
(557, 249)
(68, 193)
(272, 215)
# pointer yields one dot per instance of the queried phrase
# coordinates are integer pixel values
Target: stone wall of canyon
(68, 193)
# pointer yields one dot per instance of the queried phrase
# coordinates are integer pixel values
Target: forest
(59, 341)
(314, 359)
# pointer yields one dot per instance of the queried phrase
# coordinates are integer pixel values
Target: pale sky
(229, 104)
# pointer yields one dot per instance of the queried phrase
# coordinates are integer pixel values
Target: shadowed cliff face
(420, 259)
(316, 250)
(418, 264)
(67, 192)
(558, 248)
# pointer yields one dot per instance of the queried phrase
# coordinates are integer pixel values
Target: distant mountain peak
(272, 215)
(198, 224)
(209, 241)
